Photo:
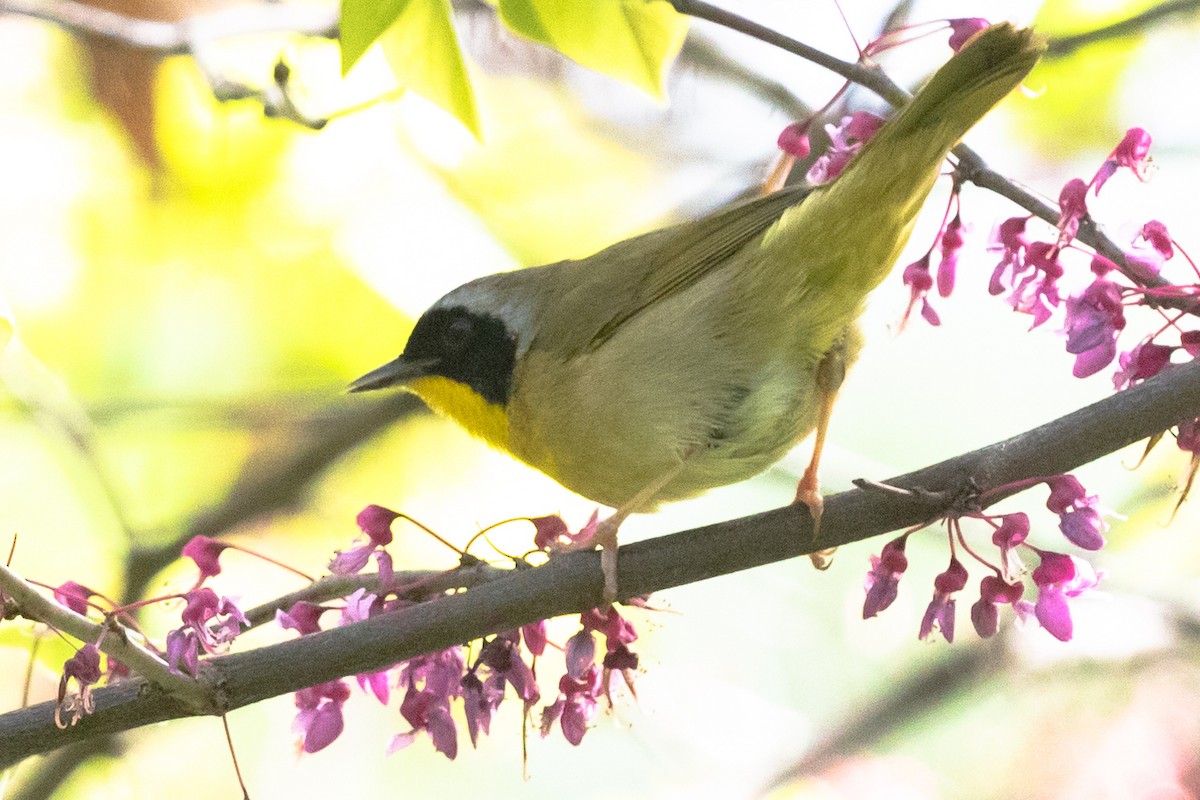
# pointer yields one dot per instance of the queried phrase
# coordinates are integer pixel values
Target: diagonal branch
(572, 583)
(180, 37)
(1067, 45)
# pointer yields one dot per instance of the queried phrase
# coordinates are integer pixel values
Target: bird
(697, 355)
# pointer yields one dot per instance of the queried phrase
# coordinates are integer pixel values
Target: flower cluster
(434, 685)
(1057, 578)
(1031, 271)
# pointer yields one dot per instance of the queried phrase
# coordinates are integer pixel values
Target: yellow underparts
(465, 406)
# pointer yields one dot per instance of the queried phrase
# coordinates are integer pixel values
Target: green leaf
(419, 42)
(632, 40)
(364, 21)
(424, 53)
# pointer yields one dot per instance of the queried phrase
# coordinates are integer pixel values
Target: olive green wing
(667, 261)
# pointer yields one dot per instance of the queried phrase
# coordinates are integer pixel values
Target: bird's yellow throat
(465, 406)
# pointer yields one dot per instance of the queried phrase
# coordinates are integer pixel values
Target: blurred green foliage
(177, 329)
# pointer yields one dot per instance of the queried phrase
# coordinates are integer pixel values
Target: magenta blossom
(375, 523)
(963, 28)
(1072, 201)
(534, 635)
(1036, 293)
(1142, 362)
(552, 534)
(575, 706)
(794, 141)
(919, 281)
(951, 243)
(1152, 248)
(83, 669)
(883, 581)
(74, 596)
(940, 612)
(480, 699)
(502, 654)
(1059, 578)
(1079, 512)
(845, 140)
(1132, 152)
(1094, 319)
(205, 552)
(985, 613)
(359, 606)
(1013, 531)
(303, 617)
(319, 721)
(431, 682)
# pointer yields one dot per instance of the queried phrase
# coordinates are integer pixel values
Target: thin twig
(179, 37)
(31, 604)
(1067, 45)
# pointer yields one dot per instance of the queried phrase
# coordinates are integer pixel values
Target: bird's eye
(457, 333)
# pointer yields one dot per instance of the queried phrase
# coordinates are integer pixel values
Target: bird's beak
(393, 373)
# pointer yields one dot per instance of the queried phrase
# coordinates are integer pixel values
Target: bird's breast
(461, 403)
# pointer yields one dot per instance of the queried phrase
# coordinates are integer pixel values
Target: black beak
(393, 373)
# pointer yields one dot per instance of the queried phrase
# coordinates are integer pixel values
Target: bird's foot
(808, 494)
(606, 537)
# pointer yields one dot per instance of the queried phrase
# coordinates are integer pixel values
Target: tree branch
(572, 583)
(1067, 45)
(180, 37)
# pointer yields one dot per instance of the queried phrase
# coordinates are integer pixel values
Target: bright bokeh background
(184, 330)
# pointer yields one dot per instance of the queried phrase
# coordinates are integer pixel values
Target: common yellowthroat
(697, 355)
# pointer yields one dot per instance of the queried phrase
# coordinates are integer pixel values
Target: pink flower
(1010, 240)
(1079, 513)
(962, 29)
(534, 635)
(1036, 293)
(940, 612)
(502, 654)
(1133, 152)
(205, 552)
(1013, 531)
(1152, 248)
(580, 653)
(985, 613)
(1142, 362)
(883, 581)
(575, 706)
(319, 721)
(83, 669)
(919, 282)
(1073, 204)
(431, 681)
(1155, 234)
(794, 141)
(303, 617)
(480, 699)
(1059, 578)
(552, 534)
(1094, 319)
(845, 140)
(375, 523)
(951, 243)
(74, 596)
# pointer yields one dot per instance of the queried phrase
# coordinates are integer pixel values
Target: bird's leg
(606, 532)
(830, 374)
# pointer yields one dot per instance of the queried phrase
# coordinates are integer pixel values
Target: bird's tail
(864, 217)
